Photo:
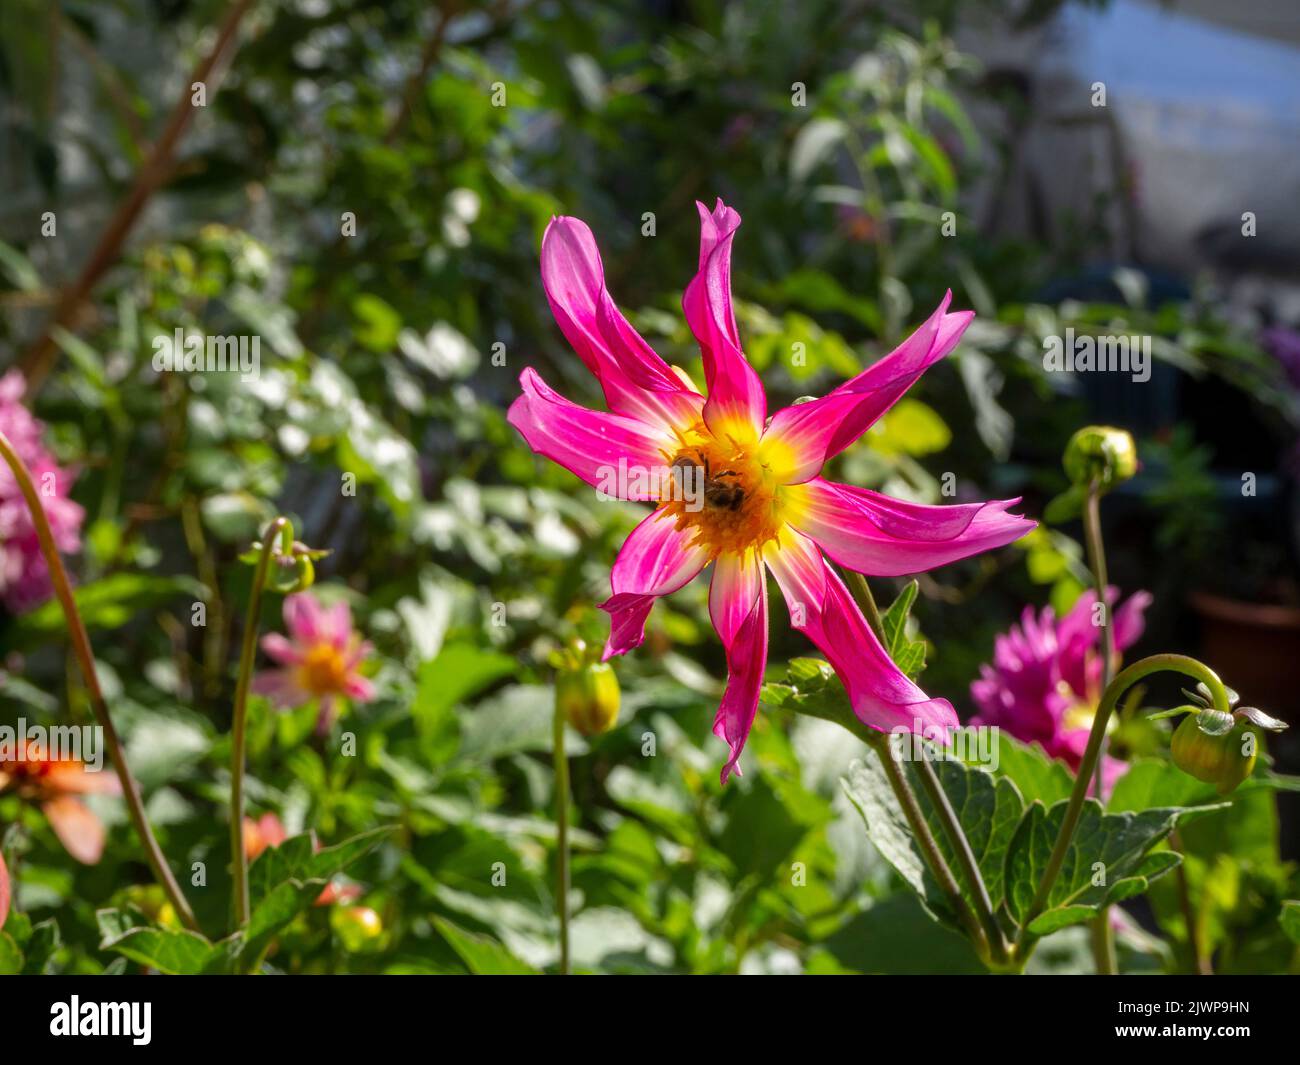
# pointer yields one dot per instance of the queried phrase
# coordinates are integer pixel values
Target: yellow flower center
(724, 491)
(1080, 712)
(323, 670)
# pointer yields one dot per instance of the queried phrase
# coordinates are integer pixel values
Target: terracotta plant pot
(1255, 647)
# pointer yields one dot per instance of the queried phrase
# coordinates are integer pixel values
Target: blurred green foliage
(389, 352)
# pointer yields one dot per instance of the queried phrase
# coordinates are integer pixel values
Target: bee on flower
(765, 507)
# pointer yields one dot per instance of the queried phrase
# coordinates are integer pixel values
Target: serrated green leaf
(1035, 774)
(1106, 850)
(287, 879)
(988, 809)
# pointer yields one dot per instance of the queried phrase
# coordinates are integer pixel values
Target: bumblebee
(721, 492)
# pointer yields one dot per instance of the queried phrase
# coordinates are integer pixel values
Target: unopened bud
(1101, 455)
(588, 696)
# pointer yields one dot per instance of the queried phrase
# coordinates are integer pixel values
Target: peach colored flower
(56, 785)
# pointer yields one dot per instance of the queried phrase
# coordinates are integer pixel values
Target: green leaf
(297, 859)
(171, 951)
(11, 958)
(275, 865)
(812, 688)
(908, 654)
(1065, 507)
(518, 718)
(988, 809)
(481, 954)
(287, 879)
(1106, 860)
(1034, 773)
(381, 323)
(1059, 918)
(895, 936)
(912, 428)
(108, 603)
(274, 912)
(460, 671)
(814, 142)
(40, 948)
(1289, 918)
(18, 269)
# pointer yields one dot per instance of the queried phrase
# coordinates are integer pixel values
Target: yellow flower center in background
(724, 492)
(323, 670)
(1080, 712)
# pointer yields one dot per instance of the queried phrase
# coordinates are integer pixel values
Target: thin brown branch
(38, 360)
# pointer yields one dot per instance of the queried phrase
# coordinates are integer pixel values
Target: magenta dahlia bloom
(1045, 680)
(744, 492)
(319, 659)
(24, 579)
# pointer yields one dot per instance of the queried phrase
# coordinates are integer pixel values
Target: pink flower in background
(318, 659)
(24, 579)
(743, 492)
(1045, 680)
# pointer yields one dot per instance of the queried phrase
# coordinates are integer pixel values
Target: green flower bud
(1102, 454)
(588, 696)
(358, 927)
(1215, 747)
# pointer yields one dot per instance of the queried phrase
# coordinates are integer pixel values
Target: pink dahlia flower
(760, 502)
(1045, 680)
(24, 579)
(318, 659)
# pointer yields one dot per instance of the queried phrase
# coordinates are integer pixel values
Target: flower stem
(992, 933)
(86, 658)
(1103, 935)
(1200, 959)
(1126, 679)
(879, 741)
(239, 725)
(562, 837)
(966, 857)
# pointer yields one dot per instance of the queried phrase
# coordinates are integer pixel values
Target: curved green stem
(1126, 679)
(879, 742)
(562, 836)
(966, 857)
(1103, 935)
(239, 725)
(991, 939)
(86, 658)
